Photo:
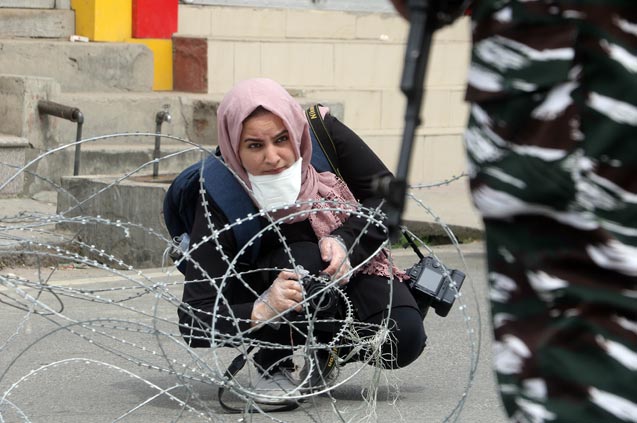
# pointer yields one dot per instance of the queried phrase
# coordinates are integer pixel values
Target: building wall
(354, 58)
(356, 5)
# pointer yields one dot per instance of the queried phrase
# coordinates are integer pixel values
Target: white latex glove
(334, 251)
(285, 293)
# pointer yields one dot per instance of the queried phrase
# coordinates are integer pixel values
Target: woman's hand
(285, 293)
(334, 251)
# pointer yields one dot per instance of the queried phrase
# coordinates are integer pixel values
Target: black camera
(322, 299)
(431, 288)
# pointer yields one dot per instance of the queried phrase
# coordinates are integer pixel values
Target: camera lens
(320, 297)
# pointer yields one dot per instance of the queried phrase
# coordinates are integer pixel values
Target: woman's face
(265, 146)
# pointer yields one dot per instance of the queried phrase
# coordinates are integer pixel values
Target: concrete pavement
(106, 348)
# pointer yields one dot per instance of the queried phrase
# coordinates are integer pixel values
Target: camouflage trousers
(552, 151)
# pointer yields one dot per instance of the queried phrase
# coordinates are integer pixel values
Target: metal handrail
(73, 114)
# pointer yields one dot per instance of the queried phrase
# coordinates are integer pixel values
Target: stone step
(12, 141)
(193, 116)
(36, 23)
(126, 160)
(121, 159)
(12, 158)
(119, 130)
(80, 67)
(131, 201)
(29, 4)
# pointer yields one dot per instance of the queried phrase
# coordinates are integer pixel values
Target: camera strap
(322, 135)
(411, 242)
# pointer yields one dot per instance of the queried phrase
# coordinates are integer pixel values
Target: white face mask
(278, 190)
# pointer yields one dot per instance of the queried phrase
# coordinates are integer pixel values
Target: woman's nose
(271, 155)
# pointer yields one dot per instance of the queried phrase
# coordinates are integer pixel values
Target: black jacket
(358, 166)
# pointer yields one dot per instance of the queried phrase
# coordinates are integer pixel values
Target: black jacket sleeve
(205, 281)
(359, 166)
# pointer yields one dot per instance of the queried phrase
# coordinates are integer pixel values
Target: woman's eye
(254, 145)
(283, 138)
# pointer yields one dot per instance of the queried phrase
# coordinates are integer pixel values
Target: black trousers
(407, 334)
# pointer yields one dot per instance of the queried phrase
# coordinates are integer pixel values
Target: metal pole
(160, 118)
(416, 58)
(78, 137)
(394, 188)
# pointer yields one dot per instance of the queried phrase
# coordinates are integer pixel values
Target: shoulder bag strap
(322, 135)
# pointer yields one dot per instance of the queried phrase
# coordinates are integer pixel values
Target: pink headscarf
(241, 101)
(237, 105)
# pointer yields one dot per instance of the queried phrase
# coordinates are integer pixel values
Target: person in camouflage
(552, 149)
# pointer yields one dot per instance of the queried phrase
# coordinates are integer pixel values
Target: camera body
(323, 300)
(430, 287)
